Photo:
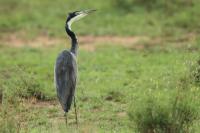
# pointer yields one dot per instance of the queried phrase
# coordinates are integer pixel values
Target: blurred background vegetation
(114, 17)
(143, 77)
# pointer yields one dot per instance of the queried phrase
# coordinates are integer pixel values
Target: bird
(65, 69)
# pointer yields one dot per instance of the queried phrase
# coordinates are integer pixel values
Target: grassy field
(114, 17)
(146, 86)
(114, 82)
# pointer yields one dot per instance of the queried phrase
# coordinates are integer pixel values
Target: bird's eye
(77, 13)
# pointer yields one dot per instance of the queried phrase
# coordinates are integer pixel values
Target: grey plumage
(65, 78)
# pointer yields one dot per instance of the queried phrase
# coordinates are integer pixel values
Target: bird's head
(77, 15)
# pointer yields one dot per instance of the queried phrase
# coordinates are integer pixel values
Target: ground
(106, 88)
(138, 66)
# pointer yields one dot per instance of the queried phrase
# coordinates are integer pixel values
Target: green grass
(125, 90)
(113, 82)
(112, 18)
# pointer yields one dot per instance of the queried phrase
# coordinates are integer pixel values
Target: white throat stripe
(76, 18)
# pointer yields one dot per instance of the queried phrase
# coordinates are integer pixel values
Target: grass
(112, 18)
(113, 84)
(151, 86)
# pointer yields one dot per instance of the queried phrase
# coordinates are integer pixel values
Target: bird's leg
(65, 115)
(75, 111)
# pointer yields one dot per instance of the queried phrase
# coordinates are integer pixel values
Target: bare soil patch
(86, 42)
(90, 43)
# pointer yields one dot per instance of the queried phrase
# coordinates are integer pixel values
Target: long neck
(74, 41)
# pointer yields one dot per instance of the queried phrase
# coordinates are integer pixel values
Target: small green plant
(9, 113)
(1, 96)
(196, 73)
(192, 77)
(174, 115)
(23, 85)
(8, 121)
(115, 96)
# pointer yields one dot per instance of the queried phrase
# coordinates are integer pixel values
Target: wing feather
(65, 78)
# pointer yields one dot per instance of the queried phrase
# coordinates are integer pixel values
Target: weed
(176, 116)
(196, 73)
(115, 96)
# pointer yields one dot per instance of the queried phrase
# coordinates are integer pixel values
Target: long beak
(89, 11)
